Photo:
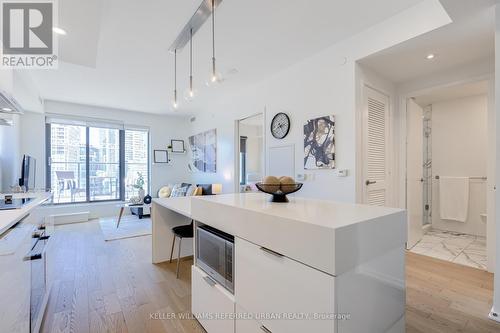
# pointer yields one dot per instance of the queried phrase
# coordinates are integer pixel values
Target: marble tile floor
(455, 247)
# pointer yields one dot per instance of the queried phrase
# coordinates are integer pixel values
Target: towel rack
(477, 177)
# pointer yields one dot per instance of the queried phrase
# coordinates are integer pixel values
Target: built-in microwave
(214, 255)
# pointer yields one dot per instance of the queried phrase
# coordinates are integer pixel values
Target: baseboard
(79, 217)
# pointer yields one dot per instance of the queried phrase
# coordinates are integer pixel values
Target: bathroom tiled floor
(459, 248)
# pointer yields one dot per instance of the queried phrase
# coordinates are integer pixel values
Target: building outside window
(95, 163)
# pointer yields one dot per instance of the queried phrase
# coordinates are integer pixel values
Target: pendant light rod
(175, 78)
(191, 61)
(200, 16)
(213, 39)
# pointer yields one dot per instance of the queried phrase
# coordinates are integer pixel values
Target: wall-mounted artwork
(177, 146)
(203, 149)
(319, 143)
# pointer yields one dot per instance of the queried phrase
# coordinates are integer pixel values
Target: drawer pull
(209, 281)
(264, 328)
(31, 257)
(274, 253)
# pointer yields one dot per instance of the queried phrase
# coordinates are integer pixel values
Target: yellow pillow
(164, 192)
(198, 191)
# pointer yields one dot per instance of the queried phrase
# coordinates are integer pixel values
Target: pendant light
(174, 101)
(190, 93)
(214, 77)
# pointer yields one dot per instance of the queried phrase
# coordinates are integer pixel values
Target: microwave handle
(210, 282)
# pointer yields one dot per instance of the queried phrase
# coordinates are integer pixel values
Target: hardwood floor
(445, 297)
(113, 287)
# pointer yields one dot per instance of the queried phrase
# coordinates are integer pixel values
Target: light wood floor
(113, 287)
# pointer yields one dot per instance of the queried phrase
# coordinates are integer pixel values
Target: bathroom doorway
(446, 173)
(251, 157)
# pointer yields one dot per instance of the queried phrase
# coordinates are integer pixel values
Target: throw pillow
(190, 190)
(164, 192)
(179, 192)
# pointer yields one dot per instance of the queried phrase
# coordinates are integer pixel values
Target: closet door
(414, 171)
(375, 147)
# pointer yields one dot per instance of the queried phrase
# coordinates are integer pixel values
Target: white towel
(454, 198)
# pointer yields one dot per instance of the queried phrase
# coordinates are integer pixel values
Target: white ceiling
(453, 92)
(469, 39)
(116, 51)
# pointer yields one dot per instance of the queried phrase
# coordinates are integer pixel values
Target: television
(28, 173)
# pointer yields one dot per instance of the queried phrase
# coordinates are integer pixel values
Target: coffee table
(129, 205)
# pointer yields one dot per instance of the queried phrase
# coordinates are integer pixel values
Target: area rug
(130, 226)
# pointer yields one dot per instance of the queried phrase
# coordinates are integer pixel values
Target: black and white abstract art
(319, 143)
(203, 148)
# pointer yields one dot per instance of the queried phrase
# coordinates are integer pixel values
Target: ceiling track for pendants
(195, 23)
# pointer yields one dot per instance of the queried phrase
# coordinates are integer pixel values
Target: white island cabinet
(305, 266)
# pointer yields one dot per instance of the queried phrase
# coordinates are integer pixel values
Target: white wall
(496, 292)
(162, 130)
(460, 148)
(324, 84)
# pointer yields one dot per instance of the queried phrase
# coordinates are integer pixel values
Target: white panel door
(282, 161)
(375, 147)
(414, 171)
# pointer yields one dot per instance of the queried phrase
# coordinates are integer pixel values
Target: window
(104, 164)
(68, 173)
(93, 163)
(136, 160)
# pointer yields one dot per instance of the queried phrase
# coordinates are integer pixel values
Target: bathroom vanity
(303, 266)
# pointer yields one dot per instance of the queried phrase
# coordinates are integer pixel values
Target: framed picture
(319, 143)
(160, 156)
(203, 149)
(177, 146)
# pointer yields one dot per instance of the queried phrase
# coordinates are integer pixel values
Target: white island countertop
(181, 205)
(10, 217)
(330, 236)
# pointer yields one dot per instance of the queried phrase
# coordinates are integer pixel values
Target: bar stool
(183, 231)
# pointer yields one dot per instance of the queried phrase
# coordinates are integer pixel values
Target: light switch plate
(342, 173)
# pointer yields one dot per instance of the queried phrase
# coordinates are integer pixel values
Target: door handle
(209, 281)
(370, 182)
(264, 329)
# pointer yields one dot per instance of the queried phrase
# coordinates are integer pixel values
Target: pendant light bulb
(214, 77)
(190, 92)
(175, 105)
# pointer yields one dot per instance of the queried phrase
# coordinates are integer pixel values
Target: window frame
(121, 163)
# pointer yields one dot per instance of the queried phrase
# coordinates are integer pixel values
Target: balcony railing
(69, 181)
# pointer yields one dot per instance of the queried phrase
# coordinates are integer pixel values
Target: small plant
(139, 183)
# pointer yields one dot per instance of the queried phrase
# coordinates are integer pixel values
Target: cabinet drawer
(270, 285)
(209, 300)
(247, 325)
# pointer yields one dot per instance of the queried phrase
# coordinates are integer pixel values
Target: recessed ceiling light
(59, 31)
(430, 56)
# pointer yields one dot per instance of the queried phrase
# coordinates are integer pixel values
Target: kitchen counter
(306, 256)
(330, 236)
(10, 217)
(167, 213)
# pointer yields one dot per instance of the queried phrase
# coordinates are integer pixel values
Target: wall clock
(280, 125)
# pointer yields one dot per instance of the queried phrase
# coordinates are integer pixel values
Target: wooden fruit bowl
(279, 191)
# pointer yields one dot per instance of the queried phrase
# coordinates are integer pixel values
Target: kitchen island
(303, 266)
